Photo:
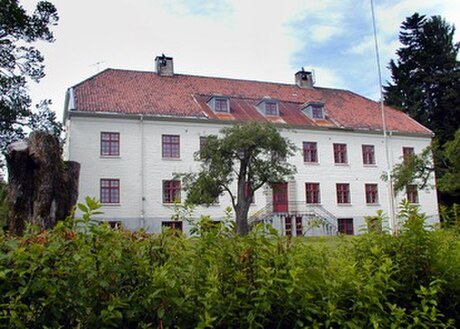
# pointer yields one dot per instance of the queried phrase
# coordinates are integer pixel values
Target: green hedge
(106, 278)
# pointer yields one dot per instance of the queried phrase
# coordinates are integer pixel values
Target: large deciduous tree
(426, 75)
(20, 63)
(251, 154)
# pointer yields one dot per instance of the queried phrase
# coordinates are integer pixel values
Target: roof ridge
(215, 77)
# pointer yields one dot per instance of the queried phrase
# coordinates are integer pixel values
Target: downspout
(142, 187)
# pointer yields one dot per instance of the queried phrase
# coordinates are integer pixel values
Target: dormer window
(219, 104)
(314, 111)
(268, 106)
(271, 108)
(317, 112)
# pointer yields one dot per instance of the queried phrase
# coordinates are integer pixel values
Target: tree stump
(42, 188)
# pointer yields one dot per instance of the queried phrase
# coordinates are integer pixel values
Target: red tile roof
(134, 92)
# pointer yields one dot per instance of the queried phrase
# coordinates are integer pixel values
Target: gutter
(201, 120)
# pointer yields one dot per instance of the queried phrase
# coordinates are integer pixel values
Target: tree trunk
(42, 188)
(241, 212)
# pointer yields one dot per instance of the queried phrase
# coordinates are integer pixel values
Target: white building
(131, 131)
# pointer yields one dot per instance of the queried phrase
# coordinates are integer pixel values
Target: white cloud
(234, 38)
(364, 46)
(326, 77)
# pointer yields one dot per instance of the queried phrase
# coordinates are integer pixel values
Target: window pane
(343, 193)
(171, 191)
(271, 108)
(340, 153)
(110, 190)
(170, 146)
(371, 191)
(220, 105)
(110, 143)
(368, 154)
(310, 152)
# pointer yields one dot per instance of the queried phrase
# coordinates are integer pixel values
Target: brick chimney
(164, 65)
(304, 79)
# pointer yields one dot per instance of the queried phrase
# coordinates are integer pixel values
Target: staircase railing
(295, 208)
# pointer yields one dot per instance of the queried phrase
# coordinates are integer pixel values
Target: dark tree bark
(42, 188)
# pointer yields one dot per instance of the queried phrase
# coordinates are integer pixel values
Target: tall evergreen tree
(426, 75)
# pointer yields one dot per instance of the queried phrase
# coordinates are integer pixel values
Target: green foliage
(98, 277)
(20, 63)
(414, 169)
(252, 154)
(418, 168)
(450, 216)
(375, 223)
(450, 178)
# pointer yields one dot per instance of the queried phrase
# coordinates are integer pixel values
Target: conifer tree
(426, 75)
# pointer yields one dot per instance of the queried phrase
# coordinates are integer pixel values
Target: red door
(280, 197)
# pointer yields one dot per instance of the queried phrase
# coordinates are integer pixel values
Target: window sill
(110, 204)
(170, 204)
(311, 163)
(341, 164)
(373, 204)
(313, 204)
(171, 159)
(109, 157)
(373, 165)
(344, 204)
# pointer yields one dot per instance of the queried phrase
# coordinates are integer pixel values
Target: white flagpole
(391, 205)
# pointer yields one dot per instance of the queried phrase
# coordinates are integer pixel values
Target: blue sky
(247, 39)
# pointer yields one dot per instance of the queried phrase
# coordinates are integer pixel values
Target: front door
(280, 197)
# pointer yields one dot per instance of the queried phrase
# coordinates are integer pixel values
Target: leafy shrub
(85, 275)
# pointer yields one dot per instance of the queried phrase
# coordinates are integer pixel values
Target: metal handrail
(301, 208)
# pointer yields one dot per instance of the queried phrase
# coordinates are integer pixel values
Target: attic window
(314, 111)
(219, 104)
(271, 108)
(268, 106)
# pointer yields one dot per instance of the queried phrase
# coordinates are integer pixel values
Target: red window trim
(368, 154)
(407, 152)
(271, 108)
(340, 153)
(312, 193)
(171, 191)
(345, 226)
(317, 112)
(106, 197)
(412, 194)
(170, 146)
(343, 193)
(174, 224)
(111, 139)
(372, 193)
(218, 105)
(310, 152)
